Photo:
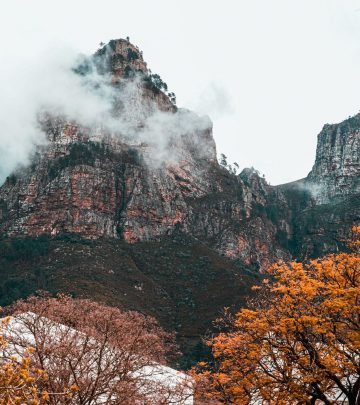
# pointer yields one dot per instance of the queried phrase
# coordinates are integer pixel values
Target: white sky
(269, 73)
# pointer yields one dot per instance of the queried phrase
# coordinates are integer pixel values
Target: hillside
(138, 213)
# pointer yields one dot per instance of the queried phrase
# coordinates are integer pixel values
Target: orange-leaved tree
(19, 379)
(298, 342)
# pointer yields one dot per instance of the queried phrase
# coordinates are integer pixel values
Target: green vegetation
(79, 153)
(24, 248)
(231, 169)
(14, 285)
(129, 72)
(86, 153)
(177, 274)
(132, 55)
(118, 57)
(156, 83)
(172, 97)
(83, 67)
(11, 179)
(199, 352)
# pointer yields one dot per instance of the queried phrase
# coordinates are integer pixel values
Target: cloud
(31, 84)
(45, 81)
(214, 100)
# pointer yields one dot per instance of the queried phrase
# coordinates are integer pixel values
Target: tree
(131, 55)
(17, 379)
(20, 379)
(158, 82)
(110, 356)
(129, 72)
(159, 85)
(172, 97)
(223, 160)
(299, 343)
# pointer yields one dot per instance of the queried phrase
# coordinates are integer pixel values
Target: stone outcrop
(143, 217)
(101, 183)
(336, 172)
(110, 189)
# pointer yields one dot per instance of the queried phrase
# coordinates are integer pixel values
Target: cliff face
(336, 172)
(110, 189)
(101, 182)
(97, 189)
(141, 215)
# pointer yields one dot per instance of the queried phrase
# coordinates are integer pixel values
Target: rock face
(336, 172)
(97, 183)
(158, 174)
(142, 216)
(108, 190)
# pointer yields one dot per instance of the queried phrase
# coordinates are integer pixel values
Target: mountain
(335, 174)
(136, 211)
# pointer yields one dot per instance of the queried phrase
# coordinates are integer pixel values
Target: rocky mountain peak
(336, 172)
(135, 210)
(152, 172)
(122, 58)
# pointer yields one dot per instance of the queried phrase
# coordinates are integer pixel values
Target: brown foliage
(299, 344)
(104, 355)
(19, 379)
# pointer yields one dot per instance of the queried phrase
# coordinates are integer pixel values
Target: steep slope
(336, 172)
(136, 211)
(322, 208)
(179, 280)
(155, 172)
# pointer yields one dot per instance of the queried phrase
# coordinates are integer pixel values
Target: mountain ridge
(143, 190)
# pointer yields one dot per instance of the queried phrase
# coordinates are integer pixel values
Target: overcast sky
(269, 73)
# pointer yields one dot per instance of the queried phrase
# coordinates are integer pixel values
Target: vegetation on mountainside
(86, 153)
(171, 280)
(157, 84)
(106, 59)
(79, 153)
(224, 163)
(298, 342)
(24, 250)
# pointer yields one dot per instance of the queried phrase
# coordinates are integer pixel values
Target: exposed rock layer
(336, 172)
(95, 183)
(163, 229)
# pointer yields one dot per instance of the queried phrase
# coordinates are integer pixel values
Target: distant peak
(122, 57)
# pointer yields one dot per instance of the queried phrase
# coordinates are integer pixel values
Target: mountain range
(135, 210)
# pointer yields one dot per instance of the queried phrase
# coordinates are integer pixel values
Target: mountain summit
(137, 211)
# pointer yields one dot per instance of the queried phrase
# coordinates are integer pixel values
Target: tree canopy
(298, 342)
(102, 354)
(21, 380)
